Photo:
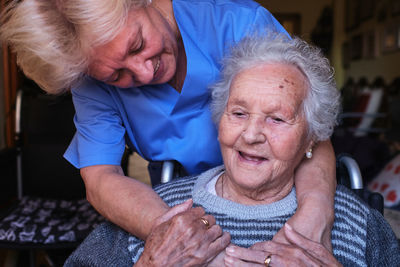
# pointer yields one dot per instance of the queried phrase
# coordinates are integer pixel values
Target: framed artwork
(352, 14)
(389, 39)
(395, 7)
(356, 47)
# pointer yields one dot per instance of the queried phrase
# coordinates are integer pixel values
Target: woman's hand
(181, 238)
(299, 252)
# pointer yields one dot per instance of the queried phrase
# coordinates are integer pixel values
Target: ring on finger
(206, 223)
(267, 260)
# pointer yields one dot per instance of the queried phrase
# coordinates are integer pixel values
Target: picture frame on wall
(395, 7)
(390, 39)
(356, 47)
(352, 14)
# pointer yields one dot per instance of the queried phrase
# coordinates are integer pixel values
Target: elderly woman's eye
(238, 114)
(275, 119)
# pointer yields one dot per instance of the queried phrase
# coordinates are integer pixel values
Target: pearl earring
(309, 153)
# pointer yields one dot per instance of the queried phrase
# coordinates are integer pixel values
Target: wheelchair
(347, 173)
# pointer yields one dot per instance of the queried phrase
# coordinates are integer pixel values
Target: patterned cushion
(387, 182)
(47, 222)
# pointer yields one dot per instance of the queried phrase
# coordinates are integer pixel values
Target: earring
(309, 153)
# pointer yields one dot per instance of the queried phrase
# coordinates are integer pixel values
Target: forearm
(126, 202)
(315, 181)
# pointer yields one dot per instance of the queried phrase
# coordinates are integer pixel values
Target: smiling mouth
(157, 66)
(251, 158)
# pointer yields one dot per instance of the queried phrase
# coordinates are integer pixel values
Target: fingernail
(288, 227)
(230, 250)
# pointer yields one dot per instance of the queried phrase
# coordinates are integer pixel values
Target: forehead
(275, 79)
(104, 58)
(128, 32)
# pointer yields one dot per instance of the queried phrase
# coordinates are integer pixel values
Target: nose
(141, 70)
(254, 132)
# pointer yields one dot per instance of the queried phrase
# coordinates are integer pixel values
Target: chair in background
(387, 181)
(393, 133)
(362, 123)
(51, 211)
(347, 173)
(364, 106)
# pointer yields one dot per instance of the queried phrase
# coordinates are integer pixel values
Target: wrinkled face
(263, 131)
(144, 52)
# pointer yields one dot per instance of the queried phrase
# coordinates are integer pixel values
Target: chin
(252, 179)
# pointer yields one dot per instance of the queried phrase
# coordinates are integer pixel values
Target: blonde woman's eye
(137, 49)
(115, 77)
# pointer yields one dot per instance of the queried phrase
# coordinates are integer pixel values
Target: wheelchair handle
(356, 181)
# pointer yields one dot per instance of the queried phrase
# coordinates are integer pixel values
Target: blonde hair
(52, 38)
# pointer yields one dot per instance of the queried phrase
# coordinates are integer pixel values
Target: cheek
(286, 145)
(228, 133)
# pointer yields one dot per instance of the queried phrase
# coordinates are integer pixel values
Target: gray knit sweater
(360, 236)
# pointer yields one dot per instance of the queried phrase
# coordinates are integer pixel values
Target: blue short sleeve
(99, 138)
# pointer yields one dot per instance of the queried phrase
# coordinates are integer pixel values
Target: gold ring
(267, 260)
(206, 223)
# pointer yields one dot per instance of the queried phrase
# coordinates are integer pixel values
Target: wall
(384, 64)
(370, 65)
(310, 10)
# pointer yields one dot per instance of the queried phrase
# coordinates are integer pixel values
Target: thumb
(175, 210)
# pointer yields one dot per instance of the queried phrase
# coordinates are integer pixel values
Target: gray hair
(53, 38)
(322, 103)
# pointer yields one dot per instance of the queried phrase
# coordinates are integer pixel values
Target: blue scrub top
(160, 123)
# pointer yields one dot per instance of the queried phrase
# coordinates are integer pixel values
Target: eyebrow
(239, 102)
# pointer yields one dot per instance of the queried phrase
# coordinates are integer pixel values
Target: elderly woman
(138, 73)
(276, 99)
